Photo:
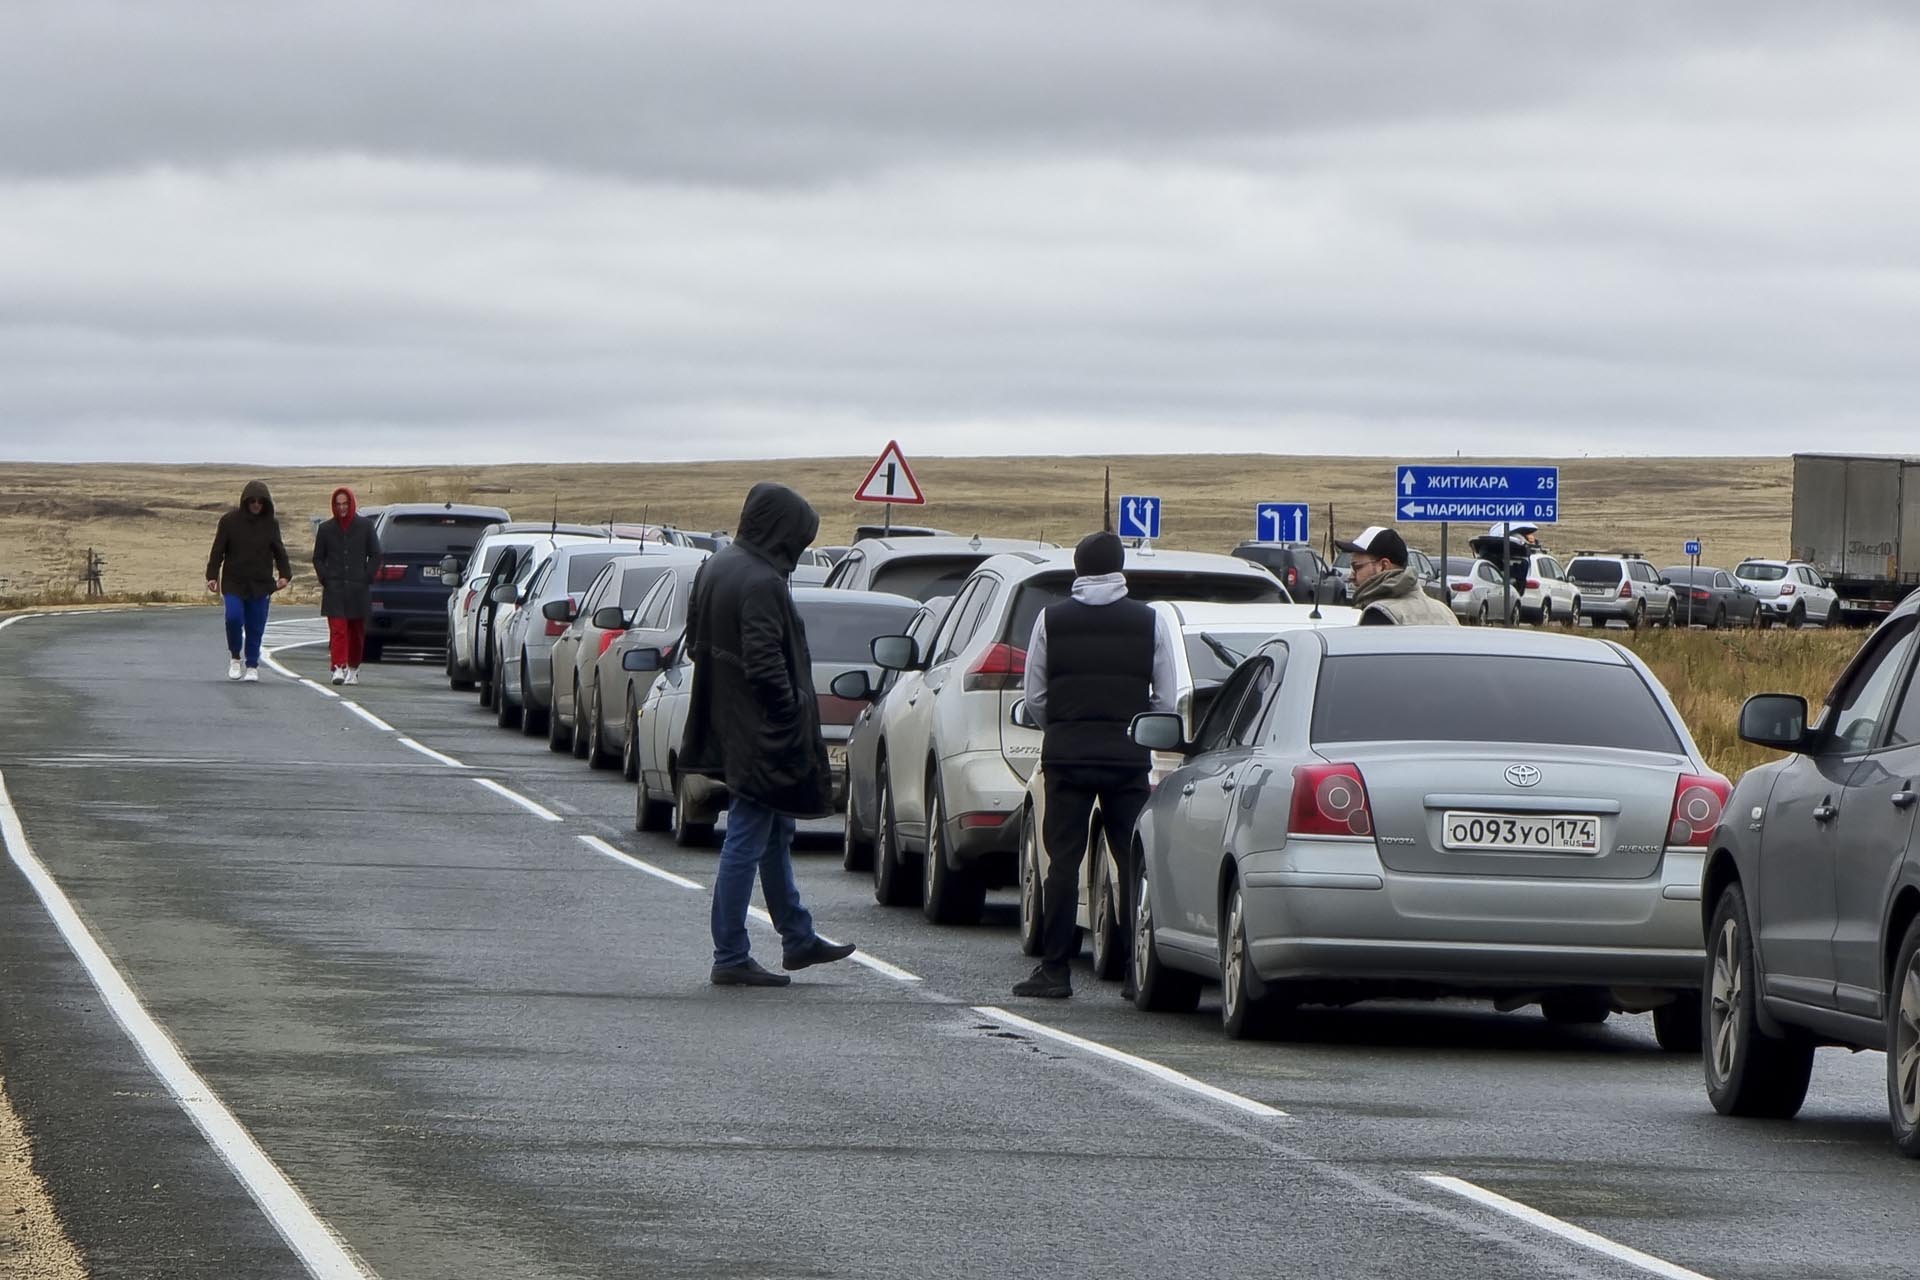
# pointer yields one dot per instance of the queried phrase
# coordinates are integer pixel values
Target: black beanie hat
(1098, 554)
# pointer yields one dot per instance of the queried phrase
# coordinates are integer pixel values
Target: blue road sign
(1280, 522)
(1430, 495)
(1693, 547)
(1139, 517)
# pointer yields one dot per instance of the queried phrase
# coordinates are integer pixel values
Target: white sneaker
(353, 675)
(234, 668)
(252, 676)
(339, 675)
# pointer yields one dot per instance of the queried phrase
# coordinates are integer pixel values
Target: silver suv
(1622, 585)
(920, 567)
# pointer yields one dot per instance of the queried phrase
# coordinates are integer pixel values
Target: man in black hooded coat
(753, 721)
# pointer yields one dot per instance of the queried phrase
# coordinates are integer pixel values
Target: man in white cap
(1386, 592)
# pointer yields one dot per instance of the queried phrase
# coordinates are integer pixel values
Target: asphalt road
(479, 1046)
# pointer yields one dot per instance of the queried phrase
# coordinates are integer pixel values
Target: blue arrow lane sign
(1431, 495)
(1139, 517)
(1280, 522)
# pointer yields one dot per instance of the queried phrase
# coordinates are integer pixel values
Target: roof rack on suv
(1624, 555)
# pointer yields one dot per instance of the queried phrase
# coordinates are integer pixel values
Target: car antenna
(609, 524)
(553, 529)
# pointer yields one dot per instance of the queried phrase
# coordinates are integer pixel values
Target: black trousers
(1071, 795)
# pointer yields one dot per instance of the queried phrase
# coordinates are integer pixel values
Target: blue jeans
(248, 617)
(757, 839)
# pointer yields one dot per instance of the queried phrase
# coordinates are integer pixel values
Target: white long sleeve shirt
(1102, 589)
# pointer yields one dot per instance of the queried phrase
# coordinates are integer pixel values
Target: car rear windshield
(1461, 566)
(1039, 592)
(1595, 571)
(1761, 572)
(845, 632)
(1685, 574)
(1469, 697)
(1214, 653)
(431, 535)
(582, 569)
(924, 577)
(637, 581)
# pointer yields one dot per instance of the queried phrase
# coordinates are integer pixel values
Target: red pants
(347, 640)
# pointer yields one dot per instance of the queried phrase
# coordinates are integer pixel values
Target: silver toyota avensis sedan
(1428, 811)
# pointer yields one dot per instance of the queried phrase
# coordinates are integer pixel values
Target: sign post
(1139, 517)
(1280, 522)
(891, 481)
(1692, 549)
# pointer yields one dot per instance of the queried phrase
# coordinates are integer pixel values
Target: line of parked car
(1338, 813)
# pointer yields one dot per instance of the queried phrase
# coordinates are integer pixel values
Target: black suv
(409, 597)
(1299, 568)
(1812, 894)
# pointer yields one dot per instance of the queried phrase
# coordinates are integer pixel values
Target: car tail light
(390, 573)
(1698, 801)
(473, 593)
(838, 710)
(984, 818)
(1626, 590)
(608, 636)
(1330, 800)
(1293, 578)
(555, 628)
(1461, 586)
(1786, 588)
(1702, 595)
(1533, 584)
(1001, 667)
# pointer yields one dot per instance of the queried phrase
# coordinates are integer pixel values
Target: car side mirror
(561, 610)
(609, 618)
(1159, 731)
(1019, 716)
(448, 579)
(853, 686)
(896, 653)
(505, 593)
(449, 564)
(641, 660)
(1666, 582)
(1775, 720)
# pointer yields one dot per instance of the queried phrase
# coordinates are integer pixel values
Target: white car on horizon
(1790, 591)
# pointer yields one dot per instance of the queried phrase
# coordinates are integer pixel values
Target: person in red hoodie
(345, 555)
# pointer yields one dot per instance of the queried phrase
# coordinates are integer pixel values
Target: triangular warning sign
(891, 480)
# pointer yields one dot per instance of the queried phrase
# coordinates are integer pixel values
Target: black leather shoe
(747, 974)
(1044, 986)
(819, 951)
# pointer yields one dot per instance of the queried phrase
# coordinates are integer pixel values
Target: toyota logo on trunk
(1523, 775)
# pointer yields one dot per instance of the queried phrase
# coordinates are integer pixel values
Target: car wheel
(1671, 616)
(598, 757)
(1762, 620)
(1573, 615)
(1903, 1044)
(1749, 1073)
(894, 885)
(1678, 1026)
(1798, 618)
(650, 814)
(1638, 618)
(486, 683)
(455, 680)
(947, 895)
(1243, 1015)
(1156, 988)
(534, 721)
(856, 850)
(559, 736)
(1576, 1008)
(1109, 931)
(582, 727)
(505, 713)
(1485, 613)
(630, 749)
(688, 835)
(1032, 887)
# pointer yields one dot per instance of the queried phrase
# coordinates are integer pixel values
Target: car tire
(894, 884)
(559, 736)
(948, 895)
(534, 721)
(856, 850)
(1720, 618)
(1485, 613)
(1103, 914)
(486, 685)
(1573, 615)
(688, 835)
(1638, 618)
(1679, 1027)
(598, 757)
(455, 678)
(579, 737)
(1243, 1015)
(649, 814)
(1032, 887)
(1576, 1008)
(1903, 1044)
(505, 713)
(630, 749)
(1672, 616)
(1156, 988)
(1748, 1072)
(1798, 618)
(372, 650)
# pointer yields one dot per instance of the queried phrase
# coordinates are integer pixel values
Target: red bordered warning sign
(891, 480)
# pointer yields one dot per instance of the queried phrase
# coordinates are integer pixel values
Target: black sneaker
(819, 951)
(748, 973)
(1044, 986)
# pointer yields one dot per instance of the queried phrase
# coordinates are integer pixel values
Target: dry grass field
(153, 523)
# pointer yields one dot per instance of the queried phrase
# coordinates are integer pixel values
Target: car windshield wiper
(1220, 651)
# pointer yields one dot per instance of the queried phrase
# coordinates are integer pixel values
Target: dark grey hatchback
(1812, 893)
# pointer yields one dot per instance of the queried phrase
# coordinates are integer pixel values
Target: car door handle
(1187, 790)
(1228, 783)
(1824, 812)
(1903, 799)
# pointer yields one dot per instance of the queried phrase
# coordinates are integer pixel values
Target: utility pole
(90, 577)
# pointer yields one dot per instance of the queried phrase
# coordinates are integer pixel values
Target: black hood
(777, 523)
(257, 489)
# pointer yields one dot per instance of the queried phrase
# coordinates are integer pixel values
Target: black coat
(345, 560)
(248, 556)
(752, 716)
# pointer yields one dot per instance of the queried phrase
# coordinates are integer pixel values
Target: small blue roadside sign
(1139, 517)
(1693, 547)
(1432, 495)
(1280, 522)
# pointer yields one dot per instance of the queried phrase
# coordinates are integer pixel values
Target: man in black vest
(1093, 664)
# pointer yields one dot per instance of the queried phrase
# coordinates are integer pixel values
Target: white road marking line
(18, 617)
(366, 715)
(537, 810)
(320, 689)
(878, 965)
(1167, 1075)
(431, 754)
(1565, 1230)
(598, 845)
(319, 1248)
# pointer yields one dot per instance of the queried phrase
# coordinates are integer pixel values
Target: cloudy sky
(484, 231)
